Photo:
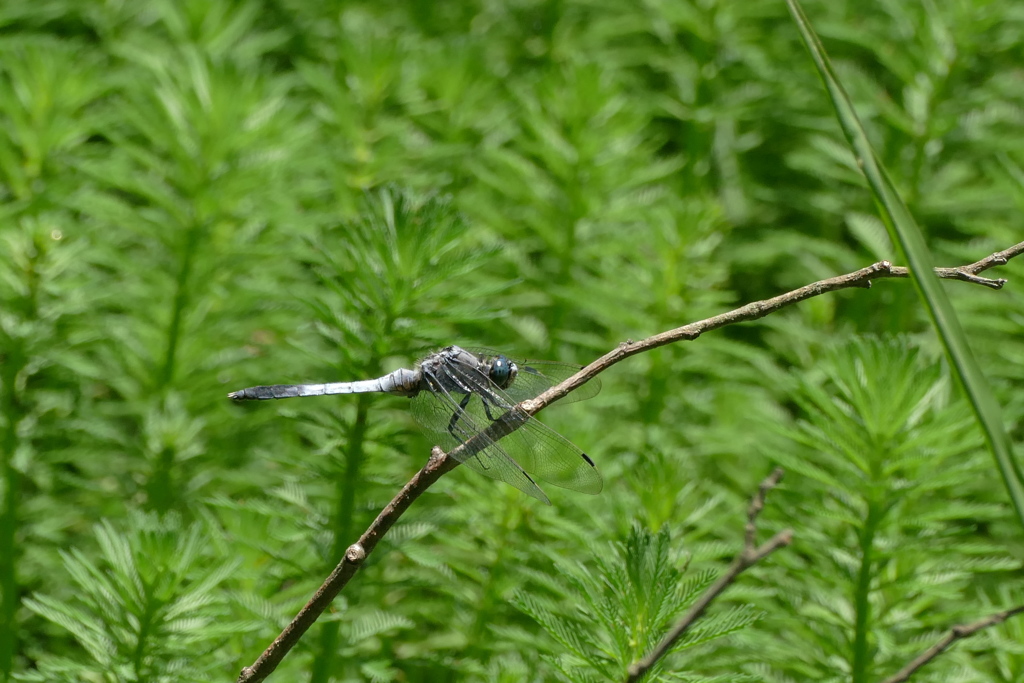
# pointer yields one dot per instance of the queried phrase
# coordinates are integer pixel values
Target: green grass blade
(906, 235)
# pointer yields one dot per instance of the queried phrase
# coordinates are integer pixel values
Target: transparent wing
(439, 412)
(537, 376)
(539, 450)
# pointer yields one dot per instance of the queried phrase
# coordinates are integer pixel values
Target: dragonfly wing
(537, 448)
(552, 458)
(537, 376)
(442, 416)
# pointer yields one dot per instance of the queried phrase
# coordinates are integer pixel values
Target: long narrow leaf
(906, 235)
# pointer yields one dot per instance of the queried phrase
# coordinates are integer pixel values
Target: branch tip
(757, 502)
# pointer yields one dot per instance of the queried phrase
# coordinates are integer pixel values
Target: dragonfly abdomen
(401, 382)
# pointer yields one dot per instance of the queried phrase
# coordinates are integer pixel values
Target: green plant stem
(344, 515)
(862, 597)
(487, 599)
(354, 455)
(160, 486)
(139, 656)
(8, 525)
(12, 363)
(181, 287)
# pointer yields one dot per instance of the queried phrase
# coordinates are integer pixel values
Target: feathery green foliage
(891, 468)
(202, 195)
(903, 231)
(152, 611)
(615, 613)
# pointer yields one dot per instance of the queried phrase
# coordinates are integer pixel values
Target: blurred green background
(201, 196)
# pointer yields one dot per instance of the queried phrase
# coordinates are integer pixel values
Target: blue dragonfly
(458, 393)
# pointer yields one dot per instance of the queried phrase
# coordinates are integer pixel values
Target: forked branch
(749, 556)
(958, 632)
(441, 463)
(760, 309)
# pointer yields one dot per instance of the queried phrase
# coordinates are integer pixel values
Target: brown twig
(759, 309)
(749, 556)
(958, 632)
(441, 463)
(438, 464)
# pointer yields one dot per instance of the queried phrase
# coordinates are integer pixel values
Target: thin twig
(958, 632)
(749, 556)
(441, 463)
(759, 309)
(438, 464)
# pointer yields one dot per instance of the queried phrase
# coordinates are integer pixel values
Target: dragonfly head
(503, 372)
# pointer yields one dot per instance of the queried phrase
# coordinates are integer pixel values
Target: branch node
(437, 454)
(355, 554)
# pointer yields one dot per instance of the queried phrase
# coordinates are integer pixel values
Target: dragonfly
(458, 393)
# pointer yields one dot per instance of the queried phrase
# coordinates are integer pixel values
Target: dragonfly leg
(457, 414)
(487, 408)
(455, 418)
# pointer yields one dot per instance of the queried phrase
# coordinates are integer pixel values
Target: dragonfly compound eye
(503, 371)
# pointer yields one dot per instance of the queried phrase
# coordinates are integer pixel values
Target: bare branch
(956, 633)
(759, 309)
(440, 463)
(749, 556)
(969, 273)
